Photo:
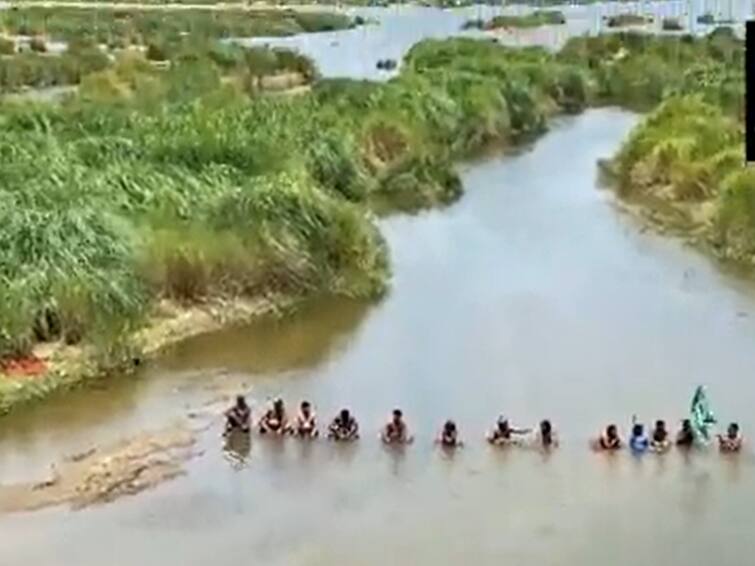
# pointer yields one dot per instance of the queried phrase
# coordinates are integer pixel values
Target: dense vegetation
(626, 20)
(93, 36)
(637, 70)
(706, 19)
(534, 19)
(686, 159)
(243, 65)
(122, 27)
(671, 24)
(40, 70)
(176, 183)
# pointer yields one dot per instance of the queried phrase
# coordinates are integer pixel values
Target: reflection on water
(202, 374)
(318, 330)
(236, 449)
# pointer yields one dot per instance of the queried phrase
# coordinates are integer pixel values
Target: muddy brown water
(531, 296)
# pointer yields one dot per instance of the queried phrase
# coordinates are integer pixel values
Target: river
(355, 53)
(534, 296)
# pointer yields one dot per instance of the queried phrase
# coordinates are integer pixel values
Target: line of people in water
(661, 441)
(344, 427)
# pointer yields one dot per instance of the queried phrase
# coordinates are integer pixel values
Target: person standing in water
(344, 427)
(275, 421)
(238, 417)
(732, 441)
(503, 434)
(638, 441)
(395, 431)
(659, 441)
(305, 425)
(685, 438)
(546, 436)
(609, 440)
(449, 436)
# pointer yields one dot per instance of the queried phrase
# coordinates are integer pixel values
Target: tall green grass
(170, 183)
(690, 150)
(534, 19)
(174, 183)
(638, 71)
(125, 26)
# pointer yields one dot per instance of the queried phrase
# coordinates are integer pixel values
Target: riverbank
(460, 336)
(223, 198)
(703, 196)
(104, 474)
(125, 25)
(184, 199)
(537, 18)
(48, 48)
(68, 367)
(682, 168)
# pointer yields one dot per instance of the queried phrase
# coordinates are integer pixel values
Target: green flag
(702, 416)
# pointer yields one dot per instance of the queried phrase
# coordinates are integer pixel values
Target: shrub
(671, 24)
(156, 52)
(38, 45)
(7, 46)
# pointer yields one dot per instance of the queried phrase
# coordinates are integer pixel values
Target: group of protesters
(345, 428)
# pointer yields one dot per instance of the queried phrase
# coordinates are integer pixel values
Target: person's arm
(333, 430)
(384, 433)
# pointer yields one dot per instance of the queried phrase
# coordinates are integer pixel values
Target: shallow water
(355, 53)
(531, 296)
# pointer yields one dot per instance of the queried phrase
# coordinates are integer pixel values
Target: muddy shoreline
(69, 367)
(690, 222)
(103, 474)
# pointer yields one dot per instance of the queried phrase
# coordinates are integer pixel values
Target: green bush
(735, 223)
(156, 52)
(130, 24)
(671, 24)
(534, 19)
(706, 19)
(624, 20)
(38, 45)
(172, 183)
(7, 46)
